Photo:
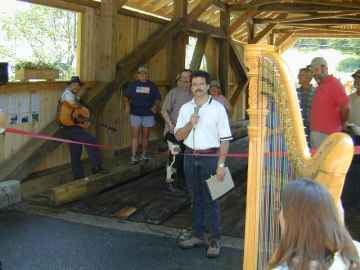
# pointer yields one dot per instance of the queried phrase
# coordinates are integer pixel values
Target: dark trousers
(179, 160)
(197, 170)
(351, 190)
(76, 133)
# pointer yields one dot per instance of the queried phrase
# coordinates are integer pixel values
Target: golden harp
(278, 152)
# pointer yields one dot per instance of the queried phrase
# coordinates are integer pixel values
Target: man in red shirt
(330, 105)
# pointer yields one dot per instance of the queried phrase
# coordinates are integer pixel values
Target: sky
(10, 6)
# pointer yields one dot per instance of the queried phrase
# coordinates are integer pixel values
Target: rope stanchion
(40, 136)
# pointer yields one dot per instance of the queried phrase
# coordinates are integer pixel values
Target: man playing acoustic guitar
(74, 118)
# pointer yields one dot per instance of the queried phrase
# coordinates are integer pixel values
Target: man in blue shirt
(142, 100)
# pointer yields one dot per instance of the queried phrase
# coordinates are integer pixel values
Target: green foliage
(48, 33)
(346, 46)
(348, 65)
(32, 65)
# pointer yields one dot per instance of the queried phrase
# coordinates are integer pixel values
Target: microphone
(196, 112)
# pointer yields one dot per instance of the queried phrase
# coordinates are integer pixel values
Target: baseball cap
(215, 83)
(76, 79)
(318, 61)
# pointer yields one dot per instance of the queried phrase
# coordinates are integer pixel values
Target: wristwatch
(221, 165)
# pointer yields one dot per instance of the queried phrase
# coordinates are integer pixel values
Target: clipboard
(219, 188)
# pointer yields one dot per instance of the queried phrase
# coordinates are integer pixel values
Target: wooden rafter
(160, 5)
(326, 28)
(297, 7)
(330, 21)
(198, 10)
(240, 20)
(220, 5)
(127, 12)
(260, 3)
(250, 30)
(267, 30)
(72, 5)
(283, 39)
(304, 18)
(209, 14)
(326, 34)
(180, 8)
(205, 28)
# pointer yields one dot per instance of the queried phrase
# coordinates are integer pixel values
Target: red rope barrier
(109, 146)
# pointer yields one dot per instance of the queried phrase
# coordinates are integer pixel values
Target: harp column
(256, 130)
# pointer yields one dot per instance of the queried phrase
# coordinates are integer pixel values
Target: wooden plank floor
(154, 204)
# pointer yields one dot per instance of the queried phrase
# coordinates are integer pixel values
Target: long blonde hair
(313, 230)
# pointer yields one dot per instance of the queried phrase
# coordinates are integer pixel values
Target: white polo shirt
(212, 128)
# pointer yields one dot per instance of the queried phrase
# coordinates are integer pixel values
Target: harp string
(276, 168)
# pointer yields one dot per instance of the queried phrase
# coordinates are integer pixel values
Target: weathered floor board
(155, 205)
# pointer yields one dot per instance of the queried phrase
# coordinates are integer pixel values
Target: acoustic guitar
(68, 115)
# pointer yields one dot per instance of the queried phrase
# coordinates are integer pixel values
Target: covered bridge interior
(115, 37)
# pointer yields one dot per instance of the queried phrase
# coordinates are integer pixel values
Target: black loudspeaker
(4, 73)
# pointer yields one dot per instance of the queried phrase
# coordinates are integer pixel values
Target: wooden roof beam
(296, 8)
(142, 16)
(220, 5)
(180, 8)
(198, 10)
(161, 5)
(240, 20)
(267, 30)
(319, 28)
(263, 33)
(330, 21)
(282, 40)
(205, 28)
(327, 3)
(72, 5)
(304, 18)
(324, 34)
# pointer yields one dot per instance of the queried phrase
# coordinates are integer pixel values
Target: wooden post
(211, 54)
(180, 8)
(251, 30)
(107, 33)
(87, 45)
(179, 42)
(271, 38)
(224, 50)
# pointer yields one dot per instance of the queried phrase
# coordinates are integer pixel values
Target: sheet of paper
(219, 188)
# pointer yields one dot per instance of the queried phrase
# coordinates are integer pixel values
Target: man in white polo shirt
(204, 127)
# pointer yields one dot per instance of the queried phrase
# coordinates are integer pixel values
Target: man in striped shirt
(305, 95)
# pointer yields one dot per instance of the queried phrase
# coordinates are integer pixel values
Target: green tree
(346, 46)
(49, 33)
(348, 65)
